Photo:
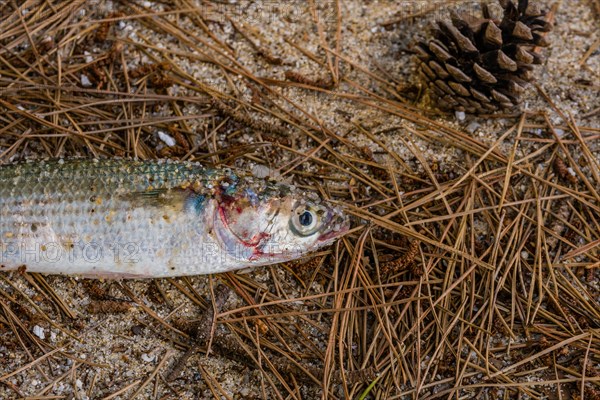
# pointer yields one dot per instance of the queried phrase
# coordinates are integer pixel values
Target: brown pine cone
(480, 65)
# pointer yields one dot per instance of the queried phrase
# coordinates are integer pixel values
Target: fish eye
(306, 218)
(305, 221)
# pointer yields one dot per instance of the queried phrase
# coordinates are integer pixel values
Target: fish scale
(131, 218)
(72, 206)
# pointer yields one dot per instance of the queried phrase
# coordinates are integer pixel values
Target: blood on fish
(254, 241)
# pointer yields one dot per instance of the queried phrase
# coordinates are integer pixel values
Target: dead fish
(147, 219)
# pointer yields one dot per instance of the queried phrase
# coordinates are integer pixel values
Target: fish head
(276, 224)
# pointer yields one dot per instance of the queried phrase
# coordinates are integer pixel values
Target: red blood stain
(254, 242)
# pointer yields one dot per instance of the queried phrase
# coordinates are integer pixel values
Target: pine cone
(481, 65)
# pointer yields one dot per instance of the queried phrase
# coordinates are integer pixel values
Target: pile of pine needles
(471, 280)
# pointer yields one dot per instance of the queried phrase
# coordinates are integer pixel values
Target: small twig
(595, 46)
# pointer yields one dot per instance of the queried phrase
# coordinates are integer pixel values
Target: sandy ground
(111, 351)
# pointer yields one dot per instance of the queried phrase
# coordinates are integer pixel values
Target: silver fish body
(126, 218)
